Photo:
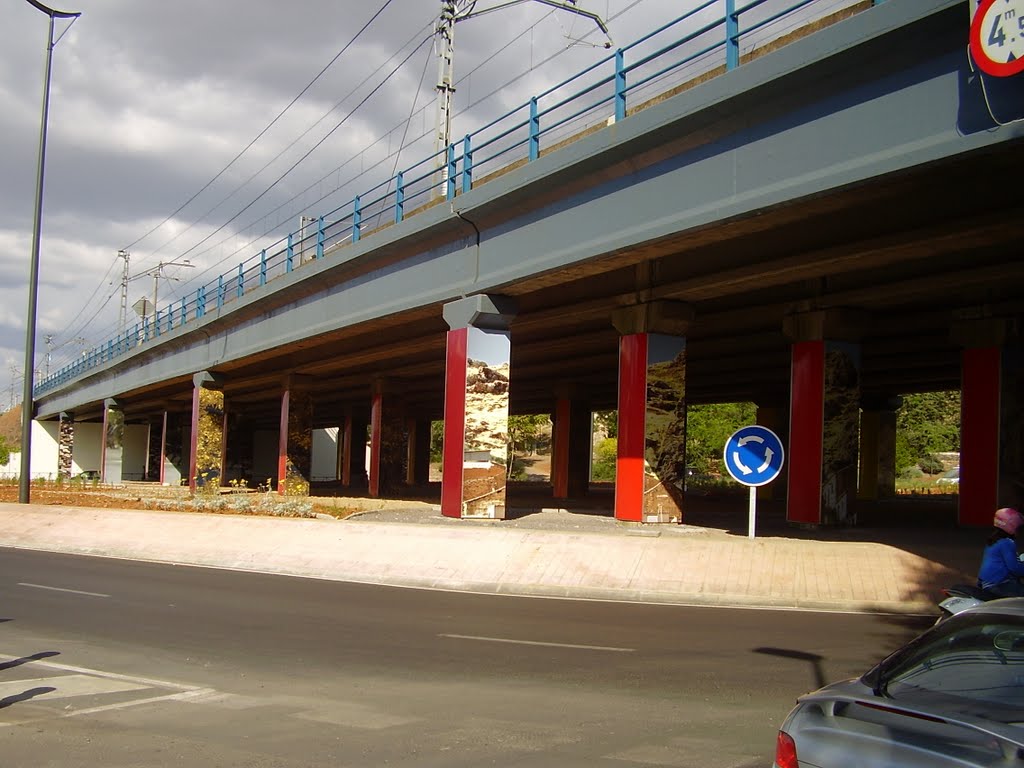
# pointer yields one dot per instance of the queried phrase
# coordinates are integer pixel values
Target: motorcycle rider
(1001, 569)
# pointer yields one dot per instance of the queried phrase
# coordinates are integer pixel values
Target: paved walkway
(546, 552)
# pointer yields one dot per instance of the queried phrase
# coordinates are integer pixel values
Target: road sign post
(754, 457)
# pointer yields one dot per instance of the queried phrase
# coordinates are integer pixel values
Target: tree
(707, 429)
(603, 468)
(926, 423)
(607, 421)
(5, 450)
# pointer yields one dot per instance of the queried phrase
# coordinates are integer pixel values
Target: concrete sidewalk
(570, 555)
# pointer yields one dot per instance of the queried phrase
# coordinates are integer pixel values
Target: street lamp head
(53, 13)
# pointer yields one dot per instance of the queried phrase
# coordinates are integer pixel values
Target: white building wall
(45, 449)
(324, 460)
(136, 446)
(86, 446)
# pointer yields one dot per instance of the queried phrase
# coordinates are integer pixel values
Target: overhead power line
(262, 133)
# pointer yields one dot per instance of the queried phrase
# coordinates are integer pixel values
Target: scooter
(960, 597)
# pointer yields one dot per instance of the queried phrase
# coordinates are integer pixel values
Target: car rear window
(974, 667)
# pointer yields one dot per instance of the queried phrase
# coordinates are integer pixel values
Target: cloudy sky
(152, 101)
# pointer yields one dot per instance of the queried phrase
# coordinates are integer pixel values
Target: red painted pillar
(807, 397)
(571, 443)
(560, 449)
(650, 468)
(477, 379)
(979, 435)
(824, 415)
(376, 432)
(282, 443)
(629, 464)
(454, 422)
(103, 444)
(193, 453)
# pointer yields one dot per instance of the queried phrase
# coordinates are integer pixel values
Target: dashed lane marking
(62, 589)
(513, 641)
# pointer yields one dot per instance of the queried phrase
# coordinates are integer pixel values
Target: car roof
(1013, 606)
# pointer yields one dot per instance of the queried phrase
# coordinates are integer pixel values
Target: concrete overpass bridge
(818, 226)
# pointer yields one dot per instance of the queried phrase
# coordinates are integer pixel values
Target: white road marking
(145, 681)
(537, 642)
(180, 696)
(62, 589)
(66, 686)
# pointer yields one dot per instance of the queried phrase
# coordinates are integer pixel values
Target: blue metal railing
(672, 54)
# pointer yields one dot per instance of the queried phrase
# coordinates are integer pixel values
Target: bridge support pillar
(388, 441)
(65, 444)
(353, 448)
(650, 470)
(295, 439)
(824, 416)
(878, 448)
(112, 446)
(571, 444)
(176, 447)
(477, 368)
(206, 436)
(417, 460)
(991, 418)
(776, 418)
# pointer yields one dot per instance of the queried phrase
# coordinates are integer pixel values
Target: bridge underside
(857, 171)
(915, 252)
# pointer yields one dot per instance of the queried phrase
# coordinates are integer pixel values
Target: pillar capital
(208, 380)
(111, 402)
(492, 312)
(979, 331)
(881, 403)
(833, 324)
(295, 382)
(671, 318)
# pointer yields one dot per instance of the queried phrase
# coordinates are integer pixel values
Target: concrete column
(477, 368)
(206, 435)
(824, 416)
(352, 440)
(162, 476)
(345, 449)
(66, 445)
(417, 460)
(776, 419)
(295, 439)
(154, 449)
(990, 419)
(388, 441)
(650, 474)
(571, 441)
(878, 448)
(112, 447)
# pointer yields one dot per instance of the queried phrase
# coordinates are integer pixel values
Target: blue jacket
(999, 563)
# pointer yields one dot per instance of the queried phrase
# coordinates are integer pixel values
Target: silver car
(954, 696)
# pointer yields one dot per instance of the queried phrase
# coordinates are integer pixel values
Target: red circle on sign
(981, 57)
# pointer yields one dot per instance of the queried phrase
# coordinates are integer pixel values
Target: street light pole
(27, 404)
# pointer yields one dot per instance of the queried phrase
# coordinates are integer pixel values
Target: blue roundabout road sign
(754, 455)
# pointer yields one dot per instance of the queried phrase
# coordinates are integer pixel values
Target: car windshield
(973, 667)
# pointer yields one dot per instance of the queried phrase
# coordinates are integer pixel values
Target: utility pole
(123, 316)
(452, 12)
(48, 338)
(157, 273)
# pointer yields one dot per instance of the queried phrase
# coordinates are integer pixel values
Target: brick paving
(543, 551)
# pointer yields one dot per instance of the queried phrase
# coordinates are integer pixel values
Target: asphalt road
(120, 663)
